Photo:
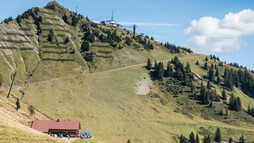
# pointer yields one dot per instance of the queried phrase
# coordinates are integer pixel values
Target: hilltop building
(57, 127)
(111, 23)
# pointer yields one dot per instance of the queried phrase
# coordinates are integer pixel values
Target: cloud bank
(209, 34)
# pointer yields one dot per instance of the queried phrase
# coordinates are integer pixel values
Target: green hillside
(72, 68)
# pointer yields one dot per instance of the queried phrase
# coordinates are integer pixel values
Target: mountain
(69, 67)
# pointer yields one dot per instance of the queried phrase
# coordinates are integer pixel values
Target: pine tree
(169, 71)
(230, 140)
(19, 19)
(218, 80)
(197, 63)
(224, 95)
(211, 74)
(232, 100)
(217, 72)
(207, 139)
(239, 104)
(191, 138)
(155, 65)
(1, 80)
(85, 46)
(51, 35)
(206, 58)
(208, 86)
(17, 104)
(149, 64)
(241, 140)
(217, 137)
(183, 139)
(205, 66)
(67, 40)
(249, 110)
(31, 110)
(197, 138)
(160, 72)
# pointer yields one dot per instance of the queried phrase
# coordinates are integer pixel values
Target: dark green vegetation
(126, 87)
(217, 137)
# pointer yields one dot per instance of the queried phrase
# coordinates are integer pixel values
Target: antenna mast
(112, 17)
(134, 30)
(14, 75)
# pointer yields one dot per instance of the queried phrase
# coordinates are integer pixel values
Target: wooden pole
(14, 75)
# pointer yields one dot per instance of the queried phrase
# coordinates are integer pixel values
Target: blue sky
(214, 31)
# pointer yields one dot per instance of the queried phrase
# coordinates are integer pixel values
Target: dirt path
(108, 71)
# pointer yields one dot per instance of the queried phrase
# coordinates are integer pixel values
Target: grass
(15, 125)
(11, 134)
(108, 102)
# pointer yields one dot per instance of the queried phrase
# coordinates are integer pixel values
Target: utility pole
(134, 30)
(14, 75)
(77, 10)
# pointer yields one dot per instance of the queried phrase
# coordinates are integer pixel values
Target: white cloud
(147, 24)
(215, 35)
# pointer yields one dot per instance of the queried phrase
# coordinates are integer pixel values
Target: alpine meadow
(120, 85)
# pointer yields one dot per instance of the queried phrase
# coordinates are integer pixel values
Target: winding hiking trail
(108, 71)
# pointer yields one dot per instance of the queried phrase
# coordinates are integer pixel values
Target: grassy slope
(107, 100)
(15, 126)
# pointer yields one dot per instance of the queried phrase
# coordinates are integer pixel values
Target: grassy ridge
(107, 100)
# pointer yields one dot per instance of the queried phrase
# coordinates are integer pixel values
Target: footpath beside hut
(59, 128)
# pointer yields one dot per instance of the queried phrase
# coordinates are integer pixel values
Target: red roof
(45, 125)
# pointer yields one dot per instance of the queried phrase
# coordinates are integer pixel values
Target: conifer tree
(217, 72)
(17, 104)
(241, 140)
(249, 110)
(67, 40)
(1, 80)
(217, 137)
(31, 110)
(191, 138)
(207, 139)
(211, 74)
(239, 104)
(51, 35)
(169, 71)
(206, 58)
(129, 141)
(197, 63)
(218, 80)
(205, 66)
(155, 65)
(85, 46)
(149, 64)
(197, 138)
(208, 85)
(230, 140)
(224, 95)
(232, 99)
(160, 72)
(183, 139)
